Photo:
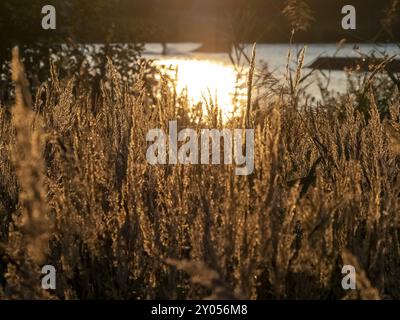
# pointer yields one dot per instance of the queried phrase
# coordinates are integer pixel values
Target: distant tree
(79, 23)
(299, 14)
(391, 19)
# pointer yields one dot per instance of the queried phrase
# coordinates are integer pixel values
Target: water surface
(212, 74)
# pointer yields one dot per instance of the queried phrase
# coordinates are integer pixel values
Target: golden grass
(76, 192)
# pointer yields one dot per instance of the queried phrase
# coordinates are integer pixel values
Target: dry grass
(76, 192)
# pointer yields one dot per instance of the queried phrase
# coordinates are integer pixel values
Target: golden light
(204, 78)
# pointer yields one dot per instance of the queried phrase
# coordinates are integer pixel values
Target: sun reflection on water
(205, 79)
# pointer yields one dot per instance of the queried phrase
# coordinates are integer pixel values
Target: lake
(204, 74)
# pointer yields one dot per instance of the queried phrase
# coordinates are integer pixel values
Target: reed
(76, 192)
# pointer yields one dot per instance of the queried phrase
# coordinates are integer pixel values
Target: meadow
(76, 192)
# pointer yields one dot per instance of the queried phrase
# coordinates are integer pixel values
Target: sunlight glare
(202, 78)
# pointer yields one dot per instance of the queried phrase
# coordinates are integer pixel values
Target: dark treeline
(264, 20)
(190, 20)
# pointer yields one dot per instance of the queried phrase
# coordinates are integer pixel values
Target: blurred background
(193, 20)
